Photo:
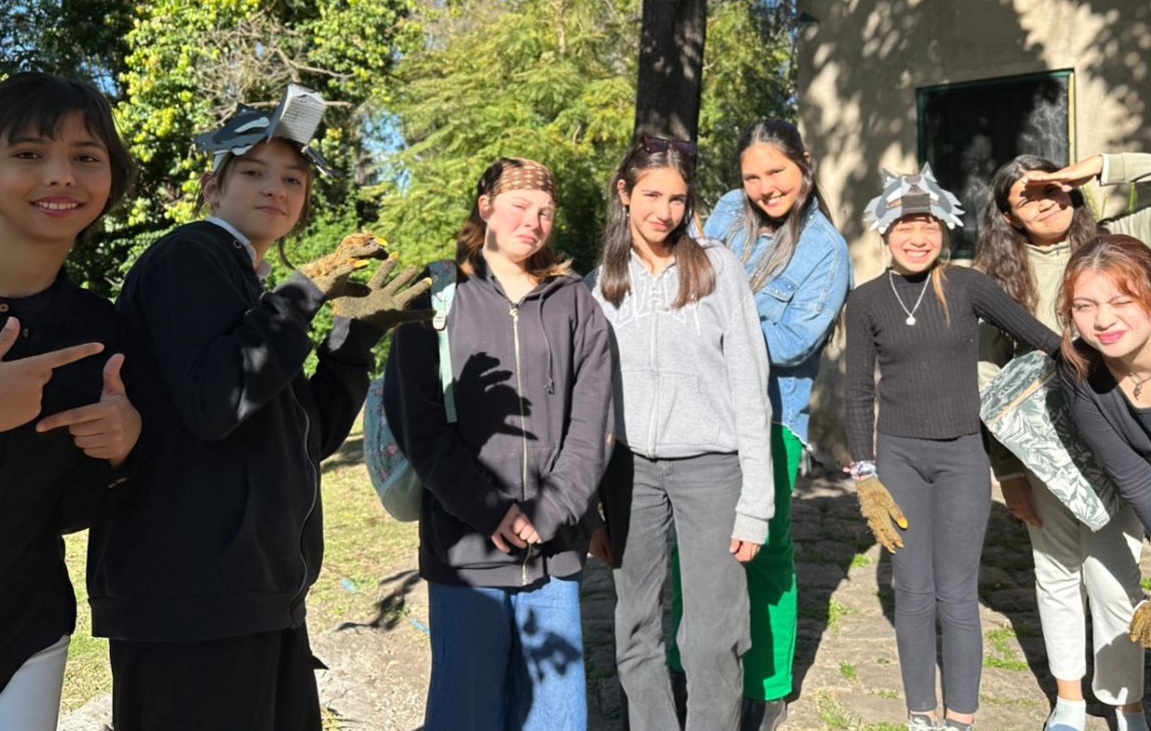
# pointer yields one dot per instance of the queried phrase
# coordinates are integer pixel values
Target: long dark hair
(1124, 260)
(785, 233)
(543, 264)
(696, 275)
(39, 102)
(1002, 249)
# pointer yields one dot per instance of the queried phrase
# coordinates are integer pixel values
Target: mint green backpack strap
(443, 294)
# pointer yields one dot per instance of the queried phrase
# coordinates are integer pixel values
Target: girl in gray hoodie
(694, 447)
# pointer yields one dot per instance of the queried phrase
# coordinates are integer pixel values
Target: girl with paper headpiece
(200, 579)
(921, 465)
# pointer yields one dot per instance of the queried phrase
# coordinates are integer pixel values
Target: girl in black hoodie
(200, 578)
(503, 533)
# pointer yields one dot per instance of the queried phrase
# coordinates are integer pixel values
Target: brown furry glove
(330, 272)
(1141, 625)
(381, 303)
(877, 505)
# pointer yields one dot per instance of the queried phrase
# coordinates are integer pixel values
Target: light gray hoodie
(693, 380)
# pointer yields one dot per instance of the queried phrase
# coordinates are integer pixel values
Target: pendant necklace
(1138, 382)
(910, 313)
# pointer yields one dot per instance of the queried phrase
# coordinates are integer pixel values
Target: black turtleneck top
(927, 381)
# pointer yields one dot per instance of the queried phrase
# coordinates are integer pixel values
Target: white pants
(1073, 563)
(31, 700)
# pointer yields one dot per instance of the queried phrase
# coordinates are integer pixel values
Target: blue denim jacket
(797, 309)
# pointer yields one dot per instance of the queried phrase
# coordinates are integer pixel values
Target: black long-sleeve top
(221, 534)
(1118, 431)
(47, 484)
(928, 385)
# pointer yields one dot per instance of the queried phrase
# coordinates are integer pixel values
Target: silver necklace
(910, 313)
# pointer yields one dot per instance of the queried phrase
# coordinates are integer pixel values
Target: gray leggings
(944, 489)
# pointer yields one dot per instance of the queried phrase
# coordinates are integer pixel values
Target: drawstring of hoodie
(551, 384)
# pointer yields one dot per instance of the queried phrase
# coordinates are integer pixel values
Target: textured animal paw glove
(878, 507)
(330, 272)
(383, 304)
(1141, 624)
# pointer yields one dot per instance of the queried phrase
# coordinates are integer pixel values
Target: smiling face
(916, 242)
(519, 223)
(52, 188)
(771, 180)
(262, 193)
(1043, 212)
(656, 205)
(1109, 319)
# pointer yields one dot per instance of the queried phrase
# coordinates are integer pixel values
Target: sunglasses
(653, 145)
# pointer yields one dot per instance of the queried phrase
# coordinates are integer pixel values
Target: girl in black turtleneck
(928, 451)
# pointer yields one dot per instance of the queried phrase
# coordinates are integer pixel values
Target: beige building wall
(861, 62)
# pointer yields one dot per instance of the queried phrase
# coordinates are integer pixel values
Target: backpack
(396, 483)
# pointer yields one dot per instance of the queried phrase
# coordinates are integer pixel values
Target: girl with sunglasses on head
(694, 443)
(508, 485)
(921, 465)
(800, 273)
(66, 424)
(1105, 299)
(1030, 229)
(200, 577)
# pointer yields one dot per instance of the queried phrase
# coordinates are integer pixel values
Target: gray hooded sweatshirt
(693, 380)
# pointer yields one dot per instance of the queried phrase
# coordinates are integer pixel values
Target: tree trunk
(670, 68)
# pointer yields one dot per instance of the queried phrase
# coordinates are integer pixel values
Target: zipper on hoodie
(315, 482)
(514, 312)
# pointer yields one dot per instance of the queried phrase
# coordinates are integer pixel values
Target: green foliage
(544, 79)
(554, 80)
(74, 38)
(189, 65)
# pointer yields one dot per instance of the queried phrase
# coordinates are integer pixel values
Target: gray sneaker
(921, 722)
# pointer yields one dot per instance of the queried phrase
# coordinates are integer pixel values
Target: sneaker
(921, 722)
(950, 724)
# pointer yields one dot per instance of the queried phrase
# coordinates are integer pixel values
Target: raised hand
(107, 429)
(881, 512)
(514, 530)
(330, 272)
(382, 303)
(22, 381)
(1072, 176)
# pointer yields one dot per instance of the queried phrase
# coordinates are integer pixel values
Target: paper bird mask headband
(294, 120)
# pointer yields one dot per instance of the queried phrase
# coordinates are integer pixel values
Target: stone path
(847, 668)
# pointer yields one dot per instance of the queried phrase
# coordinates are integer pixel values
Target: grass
(847, 670)
(837, 611)
(1002, 643)
(860, 561)
(362, 543)
(837, 718)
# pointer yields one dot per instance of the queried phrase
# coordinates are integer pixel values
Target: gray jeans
(944, 489)
(698, 495)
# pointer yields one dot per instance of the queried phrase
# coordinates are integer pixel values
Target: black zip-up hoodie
(47, 485)
(222, 533)
(532, 391)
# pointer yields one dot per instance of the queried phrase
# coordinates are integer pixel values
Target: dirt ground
(847, 671)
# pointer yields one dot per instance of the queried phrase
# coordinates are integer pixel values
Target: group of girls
(703, 349)
(709, 425)
(179, 425)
